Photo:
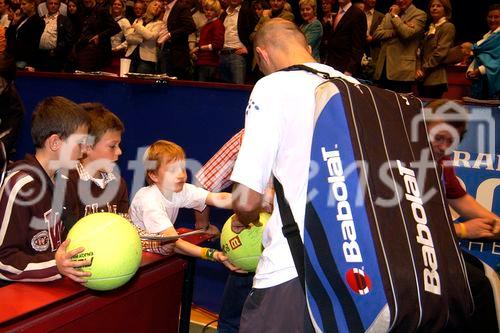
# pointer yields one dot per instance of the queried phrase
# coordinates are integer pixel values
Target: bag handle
(291, 231)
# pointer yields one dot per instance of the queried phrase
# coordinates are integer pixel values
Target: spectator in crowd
(258, 7)
(100, 188)
(437, 42)
(118, 42)
(42, 9)
(11, 106)
(142, 38)
(279, 8)
(74, 12)
(199, 20)
(23, 35)
(484, 71)
(178, 24)
(139, 10)
(211, 42)
(372, 48)
(239, 23)
(102, 4)
(32, 246)
(56, 40)
(399, 34)
(312, 28)
(447, 125)
(347, 38)
(93, 46)
(4, 14)
(326, 19)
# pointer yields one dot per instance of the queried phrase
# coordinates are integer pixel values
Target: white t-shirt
(151, 211)
(278, 134)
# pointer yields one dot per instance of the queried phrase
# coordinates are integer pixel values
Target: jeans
(232, 68)
(237, 288)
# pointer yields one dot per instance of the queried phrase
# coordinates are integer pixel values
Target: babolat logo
(235, 242)
(350, 246)
(412, 194)
(359, 281)
(84, 256)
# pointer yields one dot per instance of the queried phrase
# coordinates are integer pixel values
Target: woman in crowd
(312, 28)
(23, 35)
(438, 40)
(118, 42)
(484, 71)
(144, 33)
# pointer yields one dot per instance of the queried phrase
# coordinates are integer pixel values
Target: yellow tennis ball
(244, 249)
(111, 244)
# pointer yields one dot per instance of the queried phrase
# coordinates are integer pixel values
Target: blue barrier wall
(477, 163)
(199, 117)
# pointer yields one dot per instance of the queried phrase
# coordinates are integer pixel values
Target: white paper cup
(124, 66)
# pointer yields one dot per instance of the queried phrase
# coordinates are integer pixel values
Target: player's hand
(237, 226)
(479, 228)
(221, 258)
(68, 267)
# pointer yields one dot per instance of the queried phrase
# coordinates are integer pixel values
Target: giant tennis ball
(111, 244)
(245, 248)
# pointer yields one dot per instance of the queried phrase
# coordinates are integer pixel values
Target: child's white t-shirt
(151, 211)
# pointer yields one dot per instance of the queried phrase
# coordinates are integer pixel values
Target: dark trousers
(236, 291)
(277, 309)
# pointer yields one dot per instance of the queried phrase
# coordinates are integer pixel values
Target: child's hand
(221, 258)
(67, 267)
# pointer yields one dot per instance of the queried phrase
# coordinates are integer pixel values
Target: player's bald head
(280, 34)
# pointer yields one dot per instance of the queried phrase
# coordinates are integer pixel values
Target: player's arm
(219, 200)
(247, 204)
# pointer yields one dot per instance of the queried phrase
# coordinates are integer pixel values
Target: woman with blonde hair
(438, 40)
(312, 28)
(144, 33)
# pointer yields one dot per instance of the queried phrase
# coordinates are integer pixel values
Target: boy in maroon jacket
(33, 205)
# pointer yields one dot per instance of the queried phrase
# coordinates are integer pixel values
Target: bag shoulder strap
(291, 231)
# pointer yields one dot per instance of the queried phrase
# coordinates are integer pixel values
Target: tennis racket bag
(379, 250)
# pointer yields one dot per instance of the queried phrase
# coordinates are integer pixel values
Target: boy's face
(106, 149)
(171, 176)
(72, 148)
(444, 138)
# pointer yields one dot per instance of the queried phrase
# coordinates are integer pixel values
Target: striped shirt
(214, 175)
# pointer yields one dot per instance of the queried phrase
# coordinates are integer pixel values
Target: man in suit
(56, 39)
(174, 54)
(399, 33)
(373, 20)
(346, 41)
